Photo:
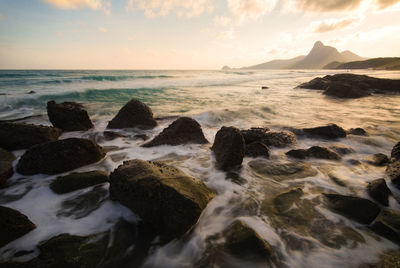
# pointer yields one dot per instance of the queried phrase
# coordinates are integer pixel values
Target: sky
(188, 34)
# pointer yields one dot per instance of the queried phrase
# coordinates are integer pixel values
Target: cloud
(226, 35)
(336, 24)
(382, 4)
(73, 4)
(182, 8)
(244, 9)
(102, 29)
(221, 21)
(323, 5)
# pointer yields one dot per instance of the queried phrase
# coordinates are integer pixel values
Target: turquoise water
(214, 99)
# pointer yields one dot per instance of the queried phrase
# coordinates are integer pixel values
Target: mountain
(375, 63)
(319, 56)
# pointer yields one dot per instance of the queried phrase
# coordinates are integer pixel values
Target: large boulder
(184, 130)
(229, 148)
(163, 196)
(379, 191)
(21, 136)
(315, 152)
(76, 181)
(393, 171)
(134, 114)
(254, 134)
(355, 208)
(345, 91)
(257, 149)
(329, 132)
(378, 160)
(13, 224)
(59, 156)
(396, 151)
(68, 116)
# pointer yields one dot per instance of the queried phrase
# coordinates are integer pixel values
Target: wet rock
(21, 136)
(76, 181)
(68, 116)
(254, 134)
(379, 191)
(393, 171)
(357, 131)
(264, 87)
(388, 259)
(59, 156)
(329, 132)
(229, 148)
(111, 135)
(353, 162)
(283, 202)
(13, 224)
(345, 91)
(257, 149)
(154, 191)
(390, 218)
(32, 92)
(142, 137)
(385, 231)
(6, 156)
(279, 139)
(337, 180)
(378, 160)
(243, 242)
(355, 208)
(315, 152)
(6, 171)
(396, 151)
(342, 149)
(184, 130)
(282, 171)
(135, 114)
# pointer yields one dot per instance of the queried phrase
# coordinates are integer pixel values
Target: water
(214, 99)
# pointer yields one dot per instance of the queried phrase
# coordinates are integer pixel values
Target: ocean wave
(122, 77)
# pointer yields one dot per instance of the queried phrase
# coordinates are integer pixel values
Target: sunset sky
(188, 34)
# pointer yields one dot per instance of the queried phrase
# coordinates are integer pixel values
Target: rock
(357, 131)
(282, 171)
(345, 91)
(59, 156)
(6, 171)
(378, 160)
(283, 202)
(142, 137)
(111, 135)
(379, 191)
(243, 242)
(393, 171)
(32, 92)
(184, 130)
(342, 149)
(396, 151)
(388, 259)
(154, 191)
(315, 152)
(390, 218)
(21, 136)
(355, 208)
(6, 156)
(13, 224)
(337, 180)
(353, 162)
(254, 134)
(385, 231)
(229, 148)
(68, 116)
(257, 149)
(76, 181)
(264, 87)
(279, 139)
(329, 132)
(316, 83)
(134, 114)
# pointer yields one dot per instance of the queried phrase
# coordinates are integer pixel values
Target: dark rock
(13, 225)
(385, 231)
(135, 114)
(244, 243)
(315, 152)
(6, 156)
(21, 136)
(345, 91)
(76, 181)
(354, 162)
(279, 139)
(283, 202)
(355, 208)
(396, 151)
(379, 160)
(317, 83)
(254, 134)
(390, 218)
(111, 135)
(393, 171)
(229, 148)
(264, 87)
(329, 132)
(357, 131)
(184, 130)
(337, 180)
(257, 149)
(31, 92)
(342, 149)
(142, 137)
(155, 191)
(282, 171)
(379, 191)
(6, 171)
(68, 116)
(59, 156)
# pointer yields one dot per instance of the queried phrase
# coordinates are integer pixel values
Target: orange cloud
(72, 4)
(250, 8)
(386, 3)
(336, 24)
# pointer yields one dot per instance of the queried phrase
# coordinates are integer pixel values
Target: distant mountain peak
(318, 44)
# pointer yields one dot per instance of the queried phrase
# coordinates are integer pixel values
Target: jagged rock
(396, 151)
(329, 132)
(134, 114)
(379, 191)
(393, 171)
(257, 149)
(355, 208)
(378, 160)
(184, 130)
(282, 171)
(154, 191)
(315, 152)
(229, 148)
(357, 131)
(59, 156)
(21, 136)
(111, 135)
(68, 116)
(13, 224)
(76, 181)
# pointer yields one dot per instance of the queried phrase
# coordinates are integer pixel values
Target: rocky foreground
(170, 202)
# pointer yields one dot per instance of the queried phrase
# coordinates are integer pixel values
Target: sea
(215, 98)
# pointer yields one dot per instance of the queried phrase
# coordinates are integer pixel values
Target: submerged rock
(345, 91)
(315, 152)
(342, 149)
(357, 131)
(68, 116)
(21, 136)
(154, 191)
(282, 171)
(134, 114)
(59, 156)
(283, 202)
(76, 181)
(279, 139)
(355, 208)
(385, 231)
(378, 160)
(329, 132)
(229, 148)
(112, 135)
(13, 224)
(257, 149)
(379, 191)
(184, 130)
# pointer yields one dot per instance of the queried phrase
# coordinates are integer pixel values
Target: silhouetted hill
(375, 63)
(277, 64)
